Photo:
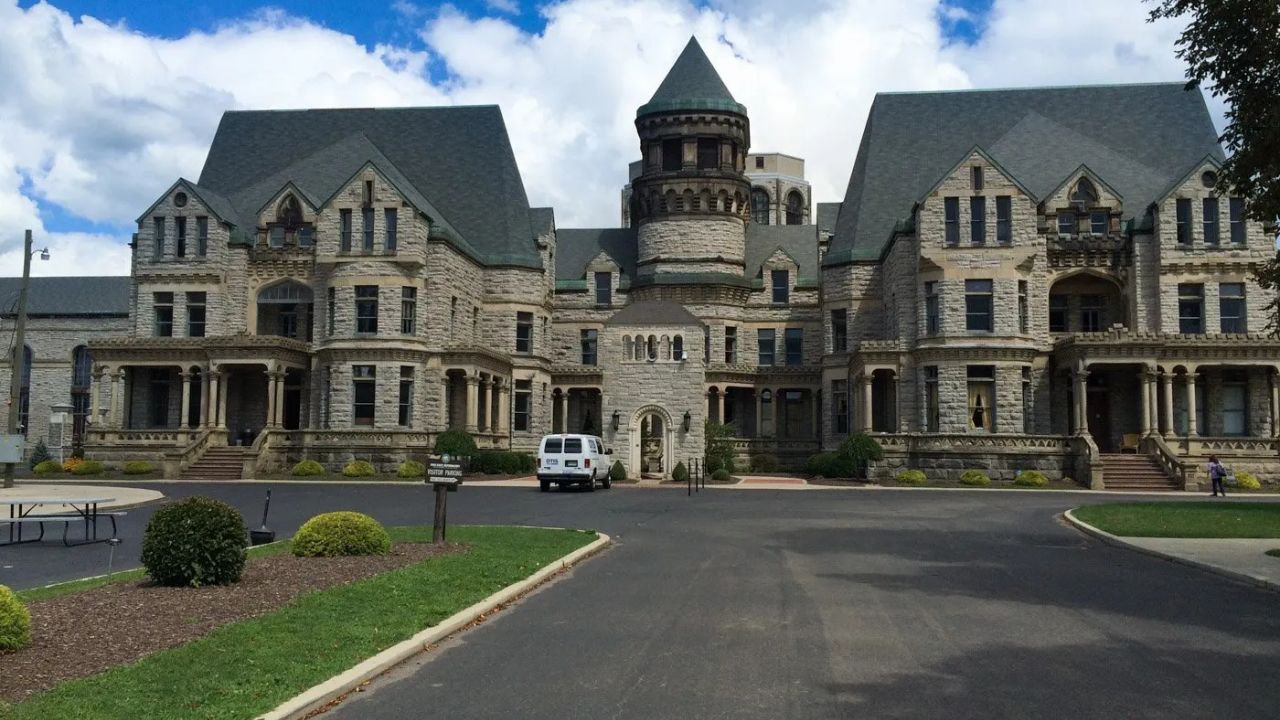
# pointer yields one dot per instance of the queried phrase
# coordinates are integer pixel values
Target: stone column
(1144, 380)
(1275, 403)
(720, 406)
(815, 398)
(866, 402)
(484, 421)
(280, 399)
(444, 402)
(504, 409)
(211, 400)
(222, 404)
(759, 412)
(1167, 377)
(186, 399)
(894, 386)
(273, 379)
(95, 387)
(113, 406)
(1081, 378)
(473, 385)
(562, 405)
(1191, 404)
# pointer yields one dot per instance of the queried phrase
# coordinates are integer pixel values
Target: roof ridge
(1011, 88)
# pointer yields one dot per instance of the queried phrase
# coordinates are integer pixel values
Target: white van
(573, 460)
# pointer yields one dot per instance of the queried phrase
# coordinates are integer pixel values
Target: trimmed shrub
(680, 473)
(71, 463)
(137, 467)
(193, 542)
(721, 475)
(975, 478)
(88, 467)
(455, 442)
(15, 622)
(617, 473)
(912, 477)
(341, 533)
(411, 469)
(48, 466)
(359, 468)
(39, 454)
(1031, 478)
(1247, 481)
(307, 468)
(501, 462)
(830, 465)
(861, 449)
(764, 462)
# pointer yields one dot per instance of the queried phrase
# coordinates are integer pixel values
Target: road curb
(320, 695)
(1117, 541)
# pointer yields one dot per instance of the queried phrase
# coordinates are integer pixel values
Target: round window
(1209, 179)
(180, 199)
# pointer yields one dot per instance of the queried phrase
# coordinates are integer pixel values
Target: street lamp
(19, 347)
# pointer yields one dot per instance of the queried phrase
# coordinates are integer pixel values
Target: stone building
(1038, 278)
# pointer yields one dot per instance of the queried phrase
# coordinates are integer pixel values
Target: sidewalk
(121, 497)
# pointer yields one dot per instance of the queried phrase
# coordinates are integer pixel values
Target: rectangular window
(344, 230)
(672, 151)
(1190, 308)
(978, 220)
(367, 309)
(708, 153)
(366, 228)
(405, 416)
(1066, 223)
(195, 314)
(1235, 414)
(163, 304)
(982, 411)
(1236, 210)
(588, 340)
(157, 246)
(604, 288)
(1024, 320)
(706, 344)
(408, 310)
(730, 345)
(839, 330)
(951, 219)
(781, 286)
(1058, 313)
(840, 405)
(978, 306)
(180, 231)
(523, 405)
(1231, 307)
(1098, 222)
(1004, 219)
(304, 236)
(975, 175)
(932, 324)
(364, 390)
(1183, 220)
(765, 341)
(1091, 313)
(1210, 218)
(333, 310)
(390, 222)
(367, 198)
(759, 162)
(524, 332)
(793, 343)
(202, 236)
(931, 408)
(275, 236)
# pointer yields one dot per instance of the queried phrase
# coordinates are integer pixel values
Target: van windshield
(552, 445)
(573, 445)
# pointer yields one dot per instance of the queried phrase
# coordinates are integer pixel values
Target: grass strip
(246, 668)
(1185, 519)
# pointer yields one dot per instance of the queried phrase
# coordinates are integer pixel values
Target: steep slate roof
(798, 241)
(692, 84)
(542, 220)
(654, 312)
(827, 214)
(1138, 138)
(455, 163)
(82, 296)
(577, 247)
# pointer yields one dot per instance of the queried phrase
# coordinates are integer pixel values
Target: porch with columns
(477, 402)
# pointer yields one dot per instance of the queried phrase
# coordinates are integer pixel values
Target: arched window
(1085, 193)
(639, 348)
(677, 348)
(653, 347)
(284, 309)
(626, 347)
(289, 214)
(759, 206)
(795, 208)
(81, 379)
(24, 395)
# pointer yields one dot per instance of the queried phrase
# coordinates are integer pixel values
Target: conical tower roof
(692, 84)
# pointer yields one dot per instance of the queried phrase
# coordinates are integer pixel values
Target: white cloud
(99, 118)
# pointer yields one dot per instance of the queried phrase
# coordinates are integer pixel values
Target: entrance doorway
(651, 440)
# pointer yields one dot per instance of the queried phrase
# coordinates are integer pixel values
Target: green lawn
(1185, 519)
(247, 668)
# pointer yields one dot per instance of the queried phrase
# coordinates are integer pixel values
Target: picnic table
(83, 509)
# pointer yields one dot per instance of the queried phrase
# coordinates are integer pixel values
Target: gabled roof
(964, 160)
(217, 204)
(692, 84)
(1184, 177)
(1139, 137)
(454, 163)
(654, 312)
(800, 242)
(72, 296)
(575, 248)
(1082, 171)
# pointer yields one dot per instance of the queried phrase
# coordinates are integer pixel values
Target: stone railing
(1176, 468)
(774, 445)
(159, 437)
(973, 442)
(352, 437)
(1088, 461)
(1232, 445)
(191, 454)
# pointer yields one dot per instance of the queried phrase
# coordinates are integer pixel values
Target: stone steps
(1135, 472)
(217, 463)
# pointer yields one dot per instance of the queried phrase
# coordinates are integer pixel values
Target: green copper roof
(692, 84)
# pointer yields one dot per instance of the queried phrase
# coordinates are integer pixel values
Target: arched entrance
(651, 441)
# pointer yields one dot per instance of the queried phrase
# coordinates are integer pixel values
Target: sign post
(445, 477)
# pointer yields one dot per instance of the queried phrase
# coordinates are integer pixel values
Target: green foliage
(975, 478)
(48, 466)
(341, 533)
(359, 468)
(455, 442)
(764, 462)
(1031, 478)
(39, 454)
(411, 469)
(830, 465)
(193, 542)
(137, 467)
(1247, 481)
(77, 452)
(721, 476)
(680, 473)
(861, 449)
(720, 451)
(912, 477)
(501, 462)
(88, 467)
(15, 622)
(307, 468)
(617, 473)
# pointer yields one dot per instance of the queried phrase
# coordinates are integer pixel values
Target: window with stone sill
(931, 406)
(780, 281)
(978, 220)
(1066, 222)
(982, 409)
(1190, 308)
(1092, 312)
(366, 219)
(1099, 222)
(759, 205)
(522, 405)
(391, 241)
(793, 344)
(604, 288)
(157, 243)
(677, 348)
(932, 325)
(1024, 324)
(202, 236)
(162, 303)
(367, 309)
(364, 393)
(1209, 217)
(344, 232)
(708, 153)
(588, 339)
(524, 332)
(839, 330)
(405, 415)
(1059, 308)
(672, 155)
(840, 406)
(196, 314)
(951, 220)
(765, 342)
(979, 305)
(730, 345)
(1182, 220)
(1004, 219)
(180, 233)
(1236, 217)
(1231, 307)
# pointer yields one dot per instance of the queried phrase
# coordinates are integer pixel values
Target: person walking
(1216, 473)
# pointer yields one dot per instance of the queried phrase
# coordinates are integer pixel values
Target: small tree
(861, 449)
(719, 449)
(39, 454)
(455, 442)
(680, 473)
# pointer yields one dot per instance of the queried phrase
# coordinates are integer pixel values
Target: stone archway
(651, 439)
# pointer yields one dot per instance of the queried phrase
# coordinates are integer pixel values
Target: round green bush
(411, 469)
(193, 542)
(88, 467)
(912, 477)
(1031, 478)
(831, 465)
(721, 475)
(307, 468)
(15, 622)
(617, 473)
(48, 466)
(680, 473)
(455, 442)
(341, 533)
(975, 478)
(359, 468)
(1247, 481)
(137, 467)
(764, 462)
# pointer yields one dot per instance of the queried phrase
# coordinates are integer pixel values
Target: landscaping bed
(1185, 519)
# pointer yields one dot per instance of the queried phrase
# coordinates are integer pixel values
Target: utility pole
(19, 357)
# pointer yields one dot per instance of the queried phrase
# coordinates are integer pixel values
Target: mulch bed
(84, 633)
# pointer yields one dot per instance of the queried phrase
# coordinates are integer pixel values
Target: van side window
(552, 445)
(594, 447)
(572, 445)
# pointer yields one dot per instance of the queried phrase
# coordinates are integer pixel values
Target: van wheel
(544, 485)
(591, 484)
(607, 482)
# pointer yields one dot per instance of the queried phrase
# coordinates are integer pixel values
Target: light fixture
(44, 254)
(687, 419)
(615, 420)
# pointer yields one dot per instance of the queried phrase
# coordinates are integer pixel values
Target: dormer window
(288, 223)
(368, 193)
(1098, 222)
(1066, 223)
(781, 285)
(976, 178)
(1085, 194)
